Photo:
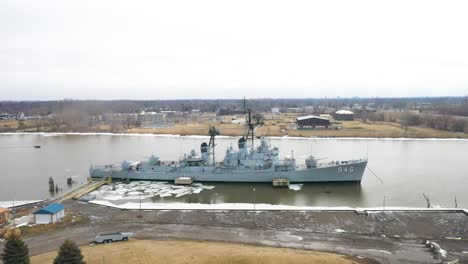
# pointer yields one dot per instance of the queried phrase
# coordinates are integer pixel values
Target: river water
(406, 168)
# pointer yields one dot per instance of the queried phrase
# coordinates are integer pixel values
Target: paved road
(390, 237)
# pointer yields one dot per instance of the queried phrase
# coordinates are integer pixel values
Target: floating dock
(280, 182)
(183, 181)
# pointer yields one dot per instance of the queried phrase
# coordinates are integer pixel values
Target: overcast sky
(229, 49)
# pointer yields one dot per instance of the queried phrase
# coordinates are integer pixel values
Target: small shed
(49, 214)
(3, 215)
(312, 121)
(344, 115)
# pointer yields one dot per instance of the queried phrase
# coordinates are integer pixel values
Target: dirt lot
(178, 252)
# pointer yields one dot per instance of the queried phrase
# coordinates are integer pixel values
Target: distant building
(225, 111)
(120, 117)
(52, 213)
(275, 110)
(293, 110)
(238, 120)
(170, 113)
(344, 115)
(312, 122)
(327, 116)
(151, 119)
(309, 109)
(4, 116)
(3, 215)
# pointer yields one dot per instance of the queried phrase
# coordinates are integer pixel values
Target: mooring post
(51, 185)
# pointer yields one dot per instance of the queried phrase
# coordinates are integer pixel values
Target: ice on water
(146, 189)
(295, 187)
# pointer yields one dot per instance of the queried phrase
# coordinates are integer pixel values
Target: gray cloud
(210, 49)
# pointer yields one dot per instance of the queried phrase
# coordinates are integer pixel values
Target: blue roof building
(49, 214)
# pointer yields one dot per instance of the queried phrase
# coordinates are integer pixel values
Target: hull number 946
(346, 169)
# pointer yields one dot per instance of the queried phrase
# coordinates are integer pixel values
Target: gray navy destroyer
(246, 164)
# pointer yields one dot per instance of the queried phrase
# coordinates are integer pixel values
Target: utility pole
(255, 212)
(384, 203)
(254, 197)
(244, 105)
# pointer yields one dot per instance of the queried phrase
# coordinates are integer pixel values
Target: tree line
(443, 122)
(444, 105)
(16, 251)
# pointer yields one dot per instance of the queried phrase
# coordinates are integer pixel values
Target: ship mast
(250, 127)
(213, 132)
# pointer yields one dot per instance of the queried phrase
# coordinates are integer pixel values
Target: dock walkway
(83, 190)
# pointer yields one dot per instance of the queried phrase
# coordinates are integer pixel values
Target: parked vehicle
(113, 237)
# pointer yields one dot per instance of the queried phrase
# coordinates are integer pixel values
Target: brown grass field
(348, 129)
(274, 126)
(178, 252)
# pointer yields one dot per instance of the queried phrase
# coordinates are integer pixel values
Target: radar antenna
(251, 126)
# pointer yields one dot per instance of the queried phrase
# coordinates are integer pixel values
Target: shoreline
(50, 134)
(271, 207)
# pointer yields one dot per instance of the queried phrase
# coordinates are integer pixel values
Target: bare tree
(427, 200)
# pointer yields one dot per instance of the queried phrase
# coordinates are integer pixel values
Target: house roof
(2, 210)
(52, 208)
(310, 117)
(344, 112)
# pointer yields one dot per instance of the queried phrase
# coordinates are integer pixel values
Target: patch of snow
(107, 196)
(295, 187)
(339, 230)
(379, 250)
(465, 252)
(9, 204)
(200, 206)
(436, 248)
(453, 238)
(443, 253)
(297, 237)
(386, 252)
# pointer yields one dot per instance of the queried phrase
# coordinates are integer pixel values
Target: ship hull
(336, 173)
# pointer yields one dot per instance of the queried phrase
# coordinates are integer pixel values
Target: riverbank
(178, 252)
(346, 129)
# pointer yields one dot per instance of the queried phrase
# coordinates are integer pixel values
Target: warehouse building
(312, 121)
(49, 214)
(344, 115)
